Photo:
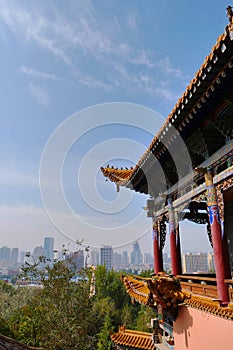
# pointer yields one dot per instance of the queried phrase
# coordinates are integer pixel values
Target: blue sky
(59, 58)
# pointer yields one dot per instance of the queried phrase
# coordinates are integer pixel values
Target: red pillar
(178, 249)
(174, 241)
(158, 267)
(215, 225)
(226, 256)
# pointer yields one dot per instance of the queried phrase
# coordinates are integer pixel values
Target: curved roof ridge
(204, 65)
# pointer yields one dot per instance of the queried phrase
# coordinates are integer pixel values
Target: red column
(174, 241)
(178, 249)
(226, 256)
(157, 253)
(215, 225)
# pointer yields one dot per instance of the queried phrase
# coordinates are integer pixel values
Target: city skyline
(39, 250)
(192, 262)
(11, 260)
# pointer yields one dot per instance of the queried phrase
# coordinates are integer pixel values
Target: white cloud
(91, 82)
(32, 25)
(89, 37)
(167, 68)
(36, 73)
(166, 94)
(12, 176)
(142, 59)
(132, 21)
(40, 94)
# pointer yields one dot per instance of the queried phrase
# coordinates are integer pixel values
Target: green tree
(109, 285)
(129, 314)
(144, 317)
(111, 295)
(104, 341)
(11, 301)
(61, 315)
(4, 327)
(58, 316)
(146, 273)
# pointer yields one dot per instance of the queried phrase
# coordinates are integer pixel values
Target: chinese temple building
(194, 149)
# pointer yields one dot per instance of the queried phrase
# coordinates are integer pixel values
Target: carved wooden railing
(203, 285)
(200, 285)
(230, 289)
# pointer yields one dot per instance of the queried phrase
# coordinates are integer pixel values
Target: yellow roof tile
(210, 306)
(118, 176)
(138, 340)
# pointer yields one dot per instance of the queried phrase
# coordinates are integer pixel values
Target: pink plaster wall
(197, 330)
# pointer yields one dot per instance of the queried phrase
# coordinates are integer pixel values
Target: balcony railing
(204, 285)
(230, 289)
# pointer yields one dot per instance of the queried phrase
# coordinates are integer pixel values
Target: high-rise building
(77, 258)
(94, 257)
(14, 256)
(37, 252)
(117, 259)
(5, 254)
(22, 257)
(136, 255)
(166, 262)
(125, 258)
(48, 249)
(106, 256)
(211, 264)
(195, 262)
(148, 258)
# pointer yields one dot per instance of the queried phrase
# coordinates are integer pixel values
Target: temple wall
(195, 329)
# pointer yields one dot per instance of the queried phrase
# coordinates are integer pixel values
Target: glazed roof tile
(134, 339)
(119, 176)
(141, 290)
(210, 306)
(137, 289)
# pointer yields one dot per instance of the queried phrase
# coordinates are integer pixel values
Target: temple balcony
(203, 285)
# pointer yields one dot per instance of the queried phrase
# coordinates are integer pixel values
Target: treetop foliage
(61, 314)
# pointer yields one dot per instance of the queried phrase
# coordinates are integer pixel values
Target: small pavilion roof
(209, 93)
(133, 339)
